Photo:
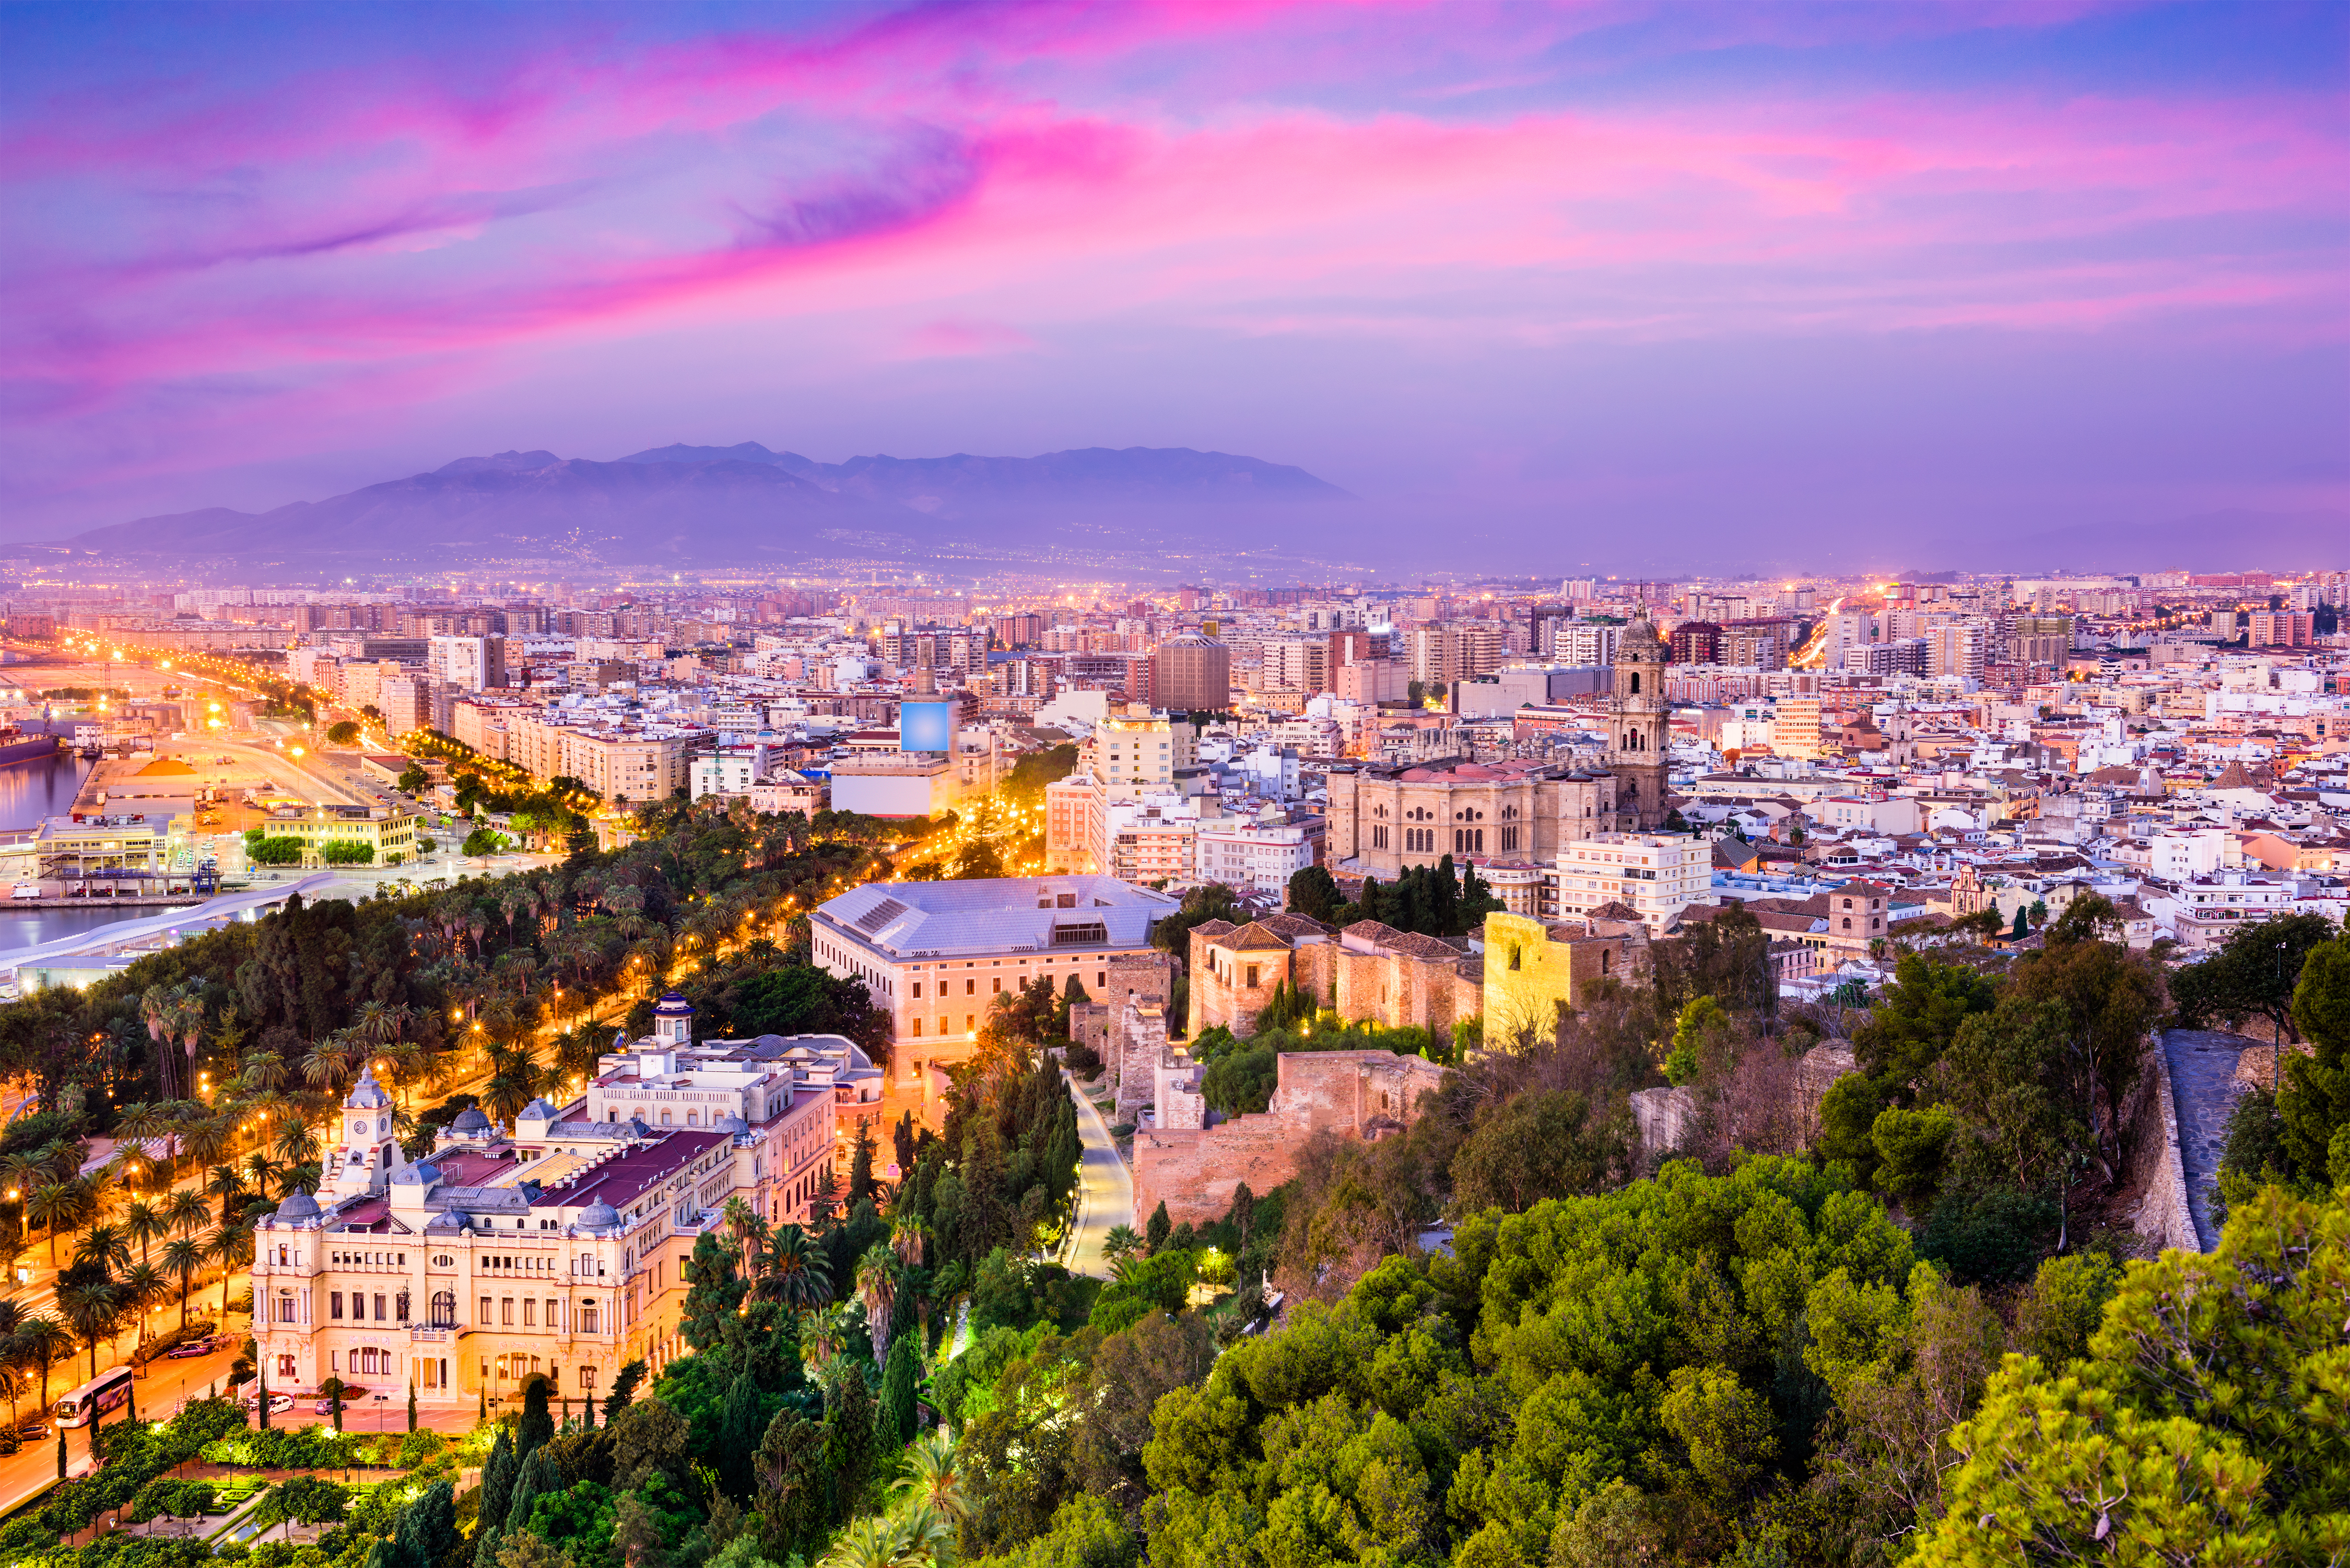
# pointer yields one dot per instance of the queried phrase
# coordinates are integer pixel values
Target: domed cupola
(673, 1021)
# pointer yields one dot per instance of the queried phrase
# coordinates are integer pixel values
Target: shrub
(1991, 1236)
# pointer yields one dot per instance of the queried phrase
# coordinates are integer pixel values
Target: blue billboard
(926, 726)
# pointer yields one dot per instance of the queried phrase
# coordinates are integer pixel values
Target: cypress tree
(1444, 900)
(533, 1480)
(894, 1420)
(498, 1482)
(1155, 1233)
(739, 1430)
(486, 1546)
(537, 1425)
(265, 1395)
(848, 1441)
(61, 1453)
(411, 1405)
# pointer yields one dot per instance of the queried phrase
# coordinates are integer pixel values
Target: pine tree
(624, 1388)
(2313, 1103)
(894, 1420)
(636, 1535)
(498, 1482)
(428, 1528)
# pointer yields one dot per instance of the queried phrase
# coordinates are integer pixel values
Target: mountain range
(747, 505)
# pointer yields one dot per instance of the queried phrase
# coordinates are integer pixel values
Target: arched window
(444, 1309)
(1636, 684)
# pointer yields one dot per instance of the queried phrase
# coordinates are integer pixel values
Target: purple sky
(1746, 283)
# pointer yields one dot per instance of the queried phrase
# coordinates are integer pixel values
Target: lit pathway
(1104, 1190)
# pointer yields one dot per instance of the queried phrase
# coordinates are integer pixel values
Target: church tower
(1637, 727)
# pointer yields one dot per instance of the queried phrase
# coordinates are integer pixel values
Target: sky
(1744, 286)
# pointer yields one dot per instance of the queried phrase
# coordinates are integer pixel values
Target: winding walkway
(2203, 1089)
(1104, 1190)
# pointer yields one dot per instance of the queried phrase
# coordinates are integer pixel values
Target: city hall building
(555, 1248)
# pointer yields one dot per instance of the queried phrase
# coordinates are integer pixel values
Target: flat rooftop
(997, 915)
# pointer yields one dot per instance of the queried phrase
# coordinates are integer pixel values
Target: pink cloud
(962, 179)
(955, 336)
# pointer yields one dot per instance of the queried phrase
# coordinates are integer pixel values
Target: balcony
(431, 1333)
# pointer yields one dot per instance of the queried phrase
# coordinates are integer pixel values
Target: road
(1104, 1191)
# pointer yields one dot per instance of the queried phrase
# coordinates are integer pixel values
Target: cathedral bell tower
(1637, 727)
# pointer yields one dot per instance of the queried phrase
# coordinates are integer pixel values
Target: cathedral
(1638, 728)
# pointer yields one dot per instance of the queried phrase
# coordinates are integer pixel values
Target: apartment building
(468, 663)
(1255, 857)
(619, 764)
(1796, 727)
(1657, 875)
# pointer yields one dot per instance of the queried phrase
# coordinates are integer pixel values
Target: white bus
(102, 1394)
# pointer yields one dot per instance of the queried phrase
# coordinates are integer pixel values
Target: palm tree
(225, 1183)
(183, 1258)
(45, 1342)
(93, 1303)
(512, 1086)
(159, 1008)
(938, 1478)
(742, 1221)
(143, 1286)
(796, 1274)
(295, 1144)
(908, 1238)
(1119, 1240)
(231, 1247)
(54, 1205)
(876, 1287)
(105, 1245)
(328, 1068)
(868, 1542)
(264, 1171)
(187, 1022)
(186, 1211)
(144, 1222)
(204, 1139)
(926, 1537)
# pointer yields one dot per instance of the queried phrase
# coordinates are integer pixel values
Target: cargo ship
(16, 746)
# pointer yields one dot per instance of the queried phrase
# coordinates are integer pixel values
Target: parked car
(33, 1429)
(193, 1347)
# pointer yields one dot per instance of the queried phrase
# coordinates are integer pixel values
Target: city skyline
(1777, 288)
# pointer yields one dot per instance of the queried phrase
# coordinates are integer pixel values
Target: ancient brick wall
(1352, 1093)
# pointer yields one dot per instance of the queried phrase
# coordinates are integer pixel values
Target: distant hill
(745, 504)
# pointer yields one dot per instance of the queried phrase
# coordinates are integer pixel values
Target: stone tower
(1637, 728)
